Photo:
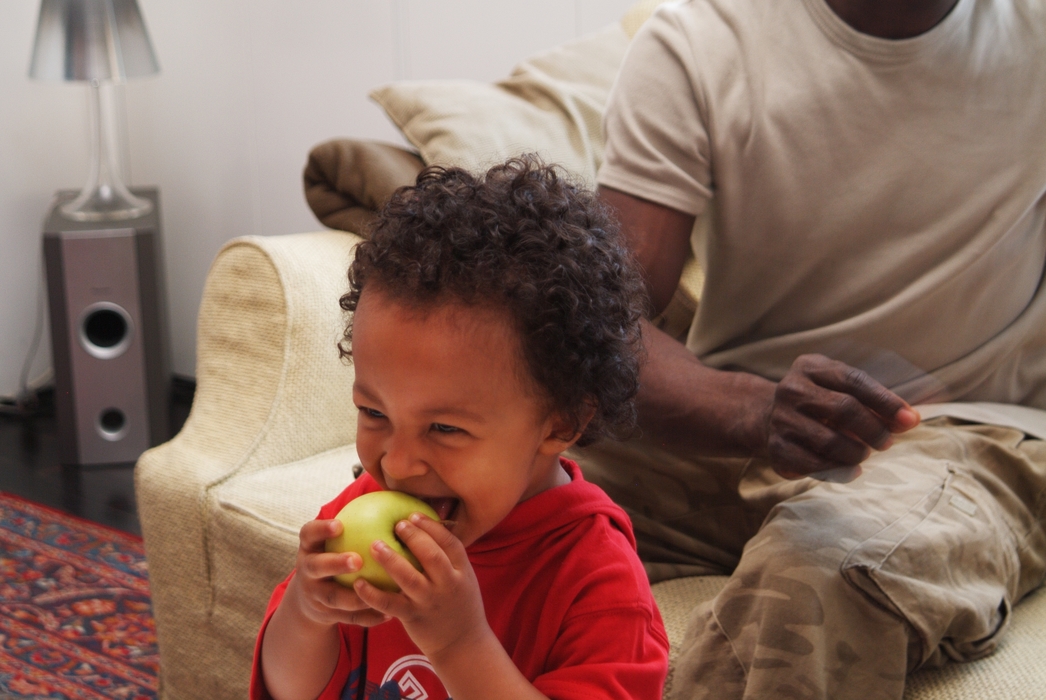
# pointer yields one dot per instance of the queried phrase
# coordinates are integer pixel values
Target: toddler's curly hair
(526, 239)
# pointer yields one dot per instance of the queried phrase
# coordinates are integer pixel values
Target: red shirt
(564, 592)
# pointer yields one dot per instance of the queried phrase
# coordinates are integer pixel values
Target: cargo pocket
(949, 567)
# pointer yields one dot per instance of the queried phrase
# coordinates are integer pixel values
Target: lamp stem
(104, 197)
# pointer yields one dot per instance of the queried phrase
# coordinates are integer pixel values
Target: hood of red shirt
(559, 507)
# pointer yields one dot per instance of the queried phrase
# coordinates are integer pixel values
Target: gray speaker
(108, 334)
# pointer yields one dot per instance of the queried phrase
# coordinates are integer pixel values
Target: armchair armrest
(271, 389)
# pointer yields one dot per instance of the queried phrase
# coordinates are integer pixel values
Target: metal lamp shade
(91, 40)
(101, 42)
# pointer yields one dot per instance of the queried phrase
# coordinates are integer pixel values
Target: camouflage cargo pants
(838, 590)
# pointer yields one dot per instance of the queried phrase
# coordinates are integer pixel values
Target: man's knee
(792, 628)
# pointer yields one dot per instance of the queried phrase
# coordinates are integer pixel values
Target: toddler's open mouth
(445, 507)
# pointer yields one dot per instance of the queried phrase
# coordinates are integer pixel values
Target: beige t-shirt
(879, 201)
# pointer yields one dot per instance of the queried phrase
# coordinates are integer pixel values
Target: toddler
(494, 323)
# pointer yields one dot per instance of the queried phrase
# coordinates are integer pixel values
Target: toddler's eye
(441, 428)
(371, 413)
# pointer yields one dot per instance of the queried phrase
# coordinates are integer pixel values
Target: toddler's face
(446, 414)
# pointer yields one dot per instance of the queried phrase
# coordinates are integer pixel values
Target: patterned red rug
(75, 616)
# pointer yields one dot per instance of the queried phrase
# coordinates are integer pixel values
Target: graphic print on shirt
(413, 674)
(410, 677)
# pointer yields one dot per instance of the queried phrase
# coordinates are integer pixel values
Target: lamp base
(106, 203)
(105, 197)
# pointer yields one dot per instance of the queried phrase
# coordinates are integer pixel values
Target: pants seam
(936, 493)
(733, 649)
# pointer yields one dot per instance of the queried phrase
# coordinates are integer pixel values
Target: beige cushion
(676, 600)
(551, 104)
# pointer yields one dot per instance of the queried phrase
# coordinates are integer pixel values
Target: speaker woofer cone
(106, 330)
(112, 424)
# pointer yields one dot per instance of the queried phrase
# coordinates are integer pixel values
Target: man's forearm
(691, 407)
(681, 402)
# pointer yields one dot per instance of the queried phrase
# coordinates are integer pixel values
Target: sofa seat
(254, 519)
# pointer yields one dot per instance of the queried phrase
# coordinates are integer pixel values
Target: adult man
(878, 171)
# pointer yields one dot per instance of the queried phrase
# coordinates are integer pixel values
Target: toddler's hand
(314, 592)
(440, 607)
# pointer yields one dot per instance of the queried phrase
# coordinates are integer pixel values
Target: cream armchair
(268, 440)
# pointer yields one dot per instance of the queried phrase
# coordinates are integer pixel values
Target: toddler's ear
(564, 432)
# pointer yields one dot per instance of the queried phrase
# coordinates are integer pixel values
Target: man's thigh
(943, 530)
(692, 515)
(846, 586)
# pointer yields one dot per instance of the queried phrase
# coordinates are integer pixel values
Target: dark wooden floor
(30, 467)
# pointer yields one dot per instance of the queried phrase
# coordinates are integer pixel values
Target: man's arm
(682, 401)
(822, 415)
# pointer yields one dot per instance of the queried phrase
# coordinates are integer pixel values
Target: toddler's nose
(401, 461)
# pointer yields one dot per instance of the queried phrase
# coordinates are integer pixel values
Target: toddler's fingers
(422, 545)
(327, 564)
(366, 618)
(399, 569)
(383, 602)
(449, 544)
(345, 606)
(339, 601)
(315, 533)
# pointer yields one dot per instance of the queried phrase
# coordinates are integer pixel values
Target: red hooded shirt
(564, 592)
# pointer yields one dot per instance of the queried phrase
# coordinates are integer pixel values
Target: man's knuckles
(842, 450)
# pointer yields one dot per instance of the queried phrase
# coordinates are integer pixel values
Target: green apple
(373, 516)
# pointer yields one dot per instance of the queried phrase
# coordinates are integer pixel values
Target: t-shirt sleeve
(657, 145)
(610, 655)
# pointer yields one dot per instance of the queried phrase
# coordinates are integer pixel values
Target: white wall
(246, 88)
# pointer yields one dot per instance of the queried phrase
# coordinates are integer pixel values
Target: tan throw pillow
(638, 14)
(552, 104)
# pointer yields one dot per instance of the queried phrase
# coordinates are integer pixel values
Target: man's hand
(827, 417)
(822, 419)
